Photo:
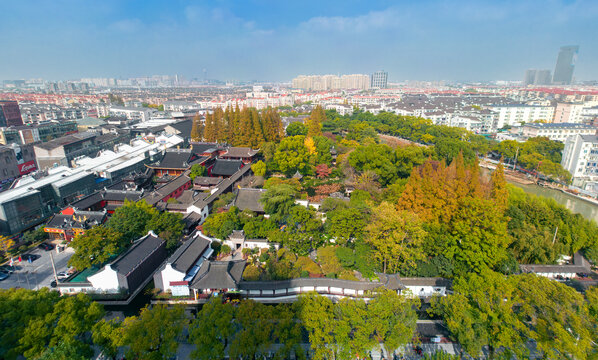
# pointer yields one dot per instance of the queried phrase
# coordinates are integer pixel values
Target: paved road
(38, 273)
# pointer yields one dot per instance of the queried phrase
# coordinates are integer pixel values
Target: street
(38, 273)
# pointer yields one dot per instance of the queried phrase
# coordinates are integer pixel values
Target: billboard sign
(26, 168)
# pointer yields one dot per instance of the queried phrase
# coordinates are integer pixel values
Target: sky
(456, 40)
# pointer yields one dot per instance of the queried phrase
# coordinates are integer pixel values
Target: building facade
(565, 64)
(558, 131)
(516, 114)
(568, 113)
(10, 114)
(379, 80)
(580, 158)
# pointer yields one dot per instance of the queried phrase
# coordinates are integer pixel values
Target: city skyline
(429, 40)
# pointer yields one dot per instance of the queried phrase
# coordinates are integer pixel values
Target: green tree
(68, 322)
(255, 325)
(397, 237)
(169, 226)
(96, 246)
(315, 120)
(105, 334)
(353, 328)
(197, 170)
(287, 332)
(19, 308)
(154, 334)
(296, 128)
(221, 225)
(259, 168)
(278, 200)
(66, 350)
(212, 330)
(556, 316)
(482, 312)
(292, 155)
(393, 319)
(6, 245)
(317, 315)
(196, 129)
(131, 219)
(259, 227)
(378, 158)
(346, 225)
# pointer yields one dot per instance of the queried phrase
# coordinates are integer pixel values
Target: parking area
(38, 273)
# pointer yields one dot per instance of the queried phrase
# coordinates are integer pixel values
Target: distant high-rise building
(537, 77)
(379, 80)
(530, 75)
(10, 114)
(542, 77)
(565, 64)
(332, 82)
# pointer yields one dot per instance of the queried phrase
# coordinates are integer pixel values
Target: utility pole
(53, 267)
(555, 232)
(515, 163)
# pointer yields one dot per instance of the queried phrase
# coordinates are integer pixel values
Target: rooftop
(249, 199)
(137, 253)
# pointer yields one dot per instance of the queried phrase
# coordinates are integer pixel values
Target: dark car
(4, 275)
(46, 246)
(29, 257)
(7, 269)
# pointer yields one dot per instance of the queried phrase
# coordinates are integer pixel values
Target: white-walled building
(182, 267)
(557, 131)
(568, 113)
(128, 273)
(516, 114)
(132, 113)
(580, 158)
(341, 109)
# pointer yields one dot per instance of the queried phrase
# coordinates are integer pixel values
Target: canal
(586, 209)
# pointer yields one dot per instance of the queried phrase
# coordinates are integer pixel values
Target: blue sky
(276, 40)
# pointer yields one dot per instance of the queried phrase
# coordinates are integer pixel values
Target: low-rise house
(225, 168)
(170, 190)
(70, 223)
(580, 266)
(181, 268)
(203, 183)
(238, 241)
(127, 274)
(243, 154)
(176, 161)
(249, 199)
(216, 277)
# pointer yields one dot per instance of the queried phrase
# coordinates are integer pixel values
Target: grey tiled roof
(249, 199)
(187, 255)
(226, 167)
(219, 275)
(137, 254)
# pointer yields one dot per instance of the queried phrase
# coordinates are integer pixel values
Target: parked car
(29, 257)
(4, 275)
(46, 246)
(62, 275)
(7, 269)
(53, 283)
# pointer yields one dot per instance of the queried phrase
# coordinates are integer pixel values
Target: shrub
(251, 273)
(304, 263)
(225, 249)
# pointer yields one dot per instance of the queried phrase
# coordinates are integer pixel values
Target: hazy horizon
(276, 41)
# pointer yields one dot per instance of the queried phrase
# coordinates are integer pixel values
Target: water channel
(579, 206)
